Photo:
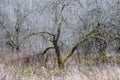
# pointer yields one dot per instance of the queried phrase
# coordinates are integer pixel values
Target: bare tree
(96, 32)
(19, 32)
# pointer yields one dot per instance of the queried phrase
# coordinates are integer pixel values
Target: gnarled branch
(76, 46)
(47, 50)
(47, 33)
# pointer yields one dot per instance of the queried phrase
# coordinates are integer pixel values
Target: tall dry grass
(76, 68)
(102, 72)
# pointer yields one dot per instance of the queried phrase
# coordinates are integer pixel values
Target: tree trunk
(59, 58)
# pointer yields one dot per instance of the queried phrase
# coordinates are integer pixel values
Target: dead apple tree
(55, 37)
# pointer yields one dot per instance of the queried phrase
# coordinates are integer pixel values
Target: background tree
(18, 32)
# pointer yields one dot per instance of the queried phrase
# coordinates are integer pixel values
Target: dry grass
(76, 69)
(101, 72)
